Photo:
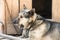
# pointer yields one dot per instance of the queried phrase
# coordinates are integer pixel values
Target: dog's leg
(21, 30)
(25, 34)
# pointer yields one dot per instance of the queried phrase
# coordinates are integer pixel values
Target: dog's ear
(32, 12)
(24, 6)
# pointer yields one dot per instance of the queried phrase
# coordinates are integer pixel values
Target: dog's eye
(21, 16)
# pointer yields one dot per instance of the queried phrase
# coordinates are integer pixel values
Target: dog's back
(46, 31)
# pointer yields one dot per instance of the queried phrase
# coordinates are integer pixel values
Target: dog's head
(27, 17)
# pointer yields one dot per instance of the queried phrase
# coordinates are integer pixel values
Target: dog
(38, 28)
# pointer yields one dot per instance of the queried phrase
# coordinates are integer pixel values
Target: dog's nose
(22, 25)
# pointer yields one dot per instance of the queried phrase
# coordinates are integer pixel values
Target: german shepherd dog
(36, 27)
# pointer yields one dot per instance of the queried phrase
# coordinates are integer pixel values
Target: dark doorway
(43, 8)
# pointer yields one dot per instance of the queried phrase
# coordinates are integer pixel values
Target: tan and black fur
(38, 28)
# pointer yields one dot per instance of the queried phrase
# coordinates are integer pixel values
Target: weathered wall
(11, 12)
(12, 9)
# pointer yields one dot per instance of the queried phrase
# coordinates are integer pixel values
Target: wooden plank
(11, 13)
(56, 10)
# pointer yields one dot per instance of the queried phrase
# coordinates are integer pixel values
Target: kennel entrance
(43, 8)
